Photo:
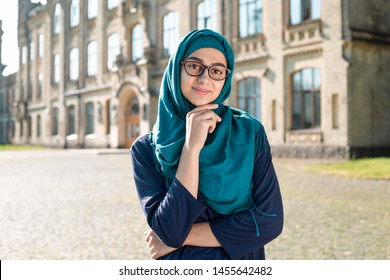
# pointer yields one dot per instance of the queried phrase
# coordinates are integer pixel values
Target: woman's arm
(199, 123)
(170, 213)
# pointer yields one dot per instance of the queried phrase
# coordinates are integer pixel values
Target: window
(89, 118)
(249, 96)
(74, 13)
(39, 126)
(74, 64)
(30, 88)
(111, 4)
(32, 50)
(21, 132)
(92, 8)
(24, 55)
(306, 103)
(207, 14)
(170, 33)
(137, 48)
(113, 49)
(71, 120)
(29, 126)
(250, 17)
(302, 10)
(40, 85)
(56, 18)
(92, 58)
(40, 45)
(56, 66)
(55, 120)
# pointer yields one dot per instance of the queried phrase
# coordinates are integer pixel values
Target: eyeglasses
(196, 69)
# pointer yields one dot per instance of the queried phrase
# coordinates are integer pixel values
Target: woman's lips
(201, 91)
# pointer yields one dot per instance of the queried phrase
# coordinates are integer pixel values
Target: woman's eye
(217, 72)
(194, 66)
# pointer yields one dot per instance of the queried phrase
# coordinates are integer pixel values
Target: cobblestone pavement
(81, 204)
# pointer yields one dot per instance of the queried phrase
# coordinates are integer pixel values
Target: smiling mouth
(201, 91)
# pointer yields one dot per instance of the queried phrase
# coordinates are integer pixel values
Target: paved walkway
(81, 204)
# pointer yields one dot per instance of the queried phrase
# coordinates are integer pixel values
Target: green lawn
(8, 147)
(372, 168)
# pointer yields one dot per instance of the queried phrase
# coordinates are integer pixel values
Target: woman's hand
(200, 121)
(157, 248)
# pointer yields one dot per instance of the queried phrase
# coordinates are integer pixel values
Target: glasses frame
(204, 68)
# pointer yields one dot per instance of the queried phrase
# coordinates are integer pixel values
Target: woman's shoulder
(142, 145)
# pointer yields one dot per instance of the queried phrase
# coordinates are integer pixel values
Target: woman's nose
(205, 76)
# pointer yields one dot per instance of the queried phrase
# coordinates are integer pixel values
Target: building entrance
(132, 121)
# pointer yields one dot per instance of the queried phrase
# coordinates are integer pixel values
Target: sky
(10, 50)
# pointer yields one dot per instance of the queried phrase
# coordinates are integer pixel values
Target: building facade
(7, 91)
(315, 73)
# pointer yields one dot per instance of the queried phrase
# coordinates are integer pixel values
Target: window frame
(93, 9)
(71, 128)
(206, 12)
(89, 118)
(55, 120)
(306, 99)
(249, 92)
(74, 64)
(56, 68)
(308, 10)
(56, 19)
(137, 50)
(113, 50)
(248, 25)
(170, 33)
(74, 13)
(92, 58)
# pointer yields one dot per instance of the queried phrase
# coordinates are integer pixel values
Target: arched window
(92, 8)
(207, 15)
(170, 32)
(137, 48)
(56, 18)
(250, 17)
(249, 96)
(74, 64)
(74, 13)
(113, 49)
(306, 98)
(90, 119)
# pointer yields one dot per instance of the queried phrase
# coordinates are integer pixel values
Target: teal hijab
(227, 158)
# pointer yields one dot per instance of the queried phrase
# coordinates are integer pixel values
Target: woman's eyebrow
(200, 60)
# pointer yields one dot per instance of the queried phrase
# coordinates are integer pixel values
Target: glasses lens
(218, 72)
(194, 68)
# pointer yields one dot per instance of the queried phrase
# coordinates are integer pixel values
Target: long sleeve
(170, 212)
(237, 232)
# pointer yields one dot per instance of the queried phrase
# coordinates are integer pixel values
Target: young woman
(204, 175)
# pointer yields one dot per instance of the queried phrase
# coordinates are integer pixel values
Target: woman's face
(202, 90)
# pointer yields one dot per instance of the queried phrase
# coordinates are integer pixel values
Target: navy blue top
(171, 212)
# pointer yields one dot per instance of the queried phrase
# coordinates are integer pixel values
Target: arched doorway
(132, 121)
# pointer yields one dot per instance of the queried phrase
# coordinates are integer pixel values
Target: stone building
(7, 90)
(314, 72)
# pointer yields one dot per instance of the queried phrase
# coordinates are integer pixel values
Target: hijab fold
(227, 158)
